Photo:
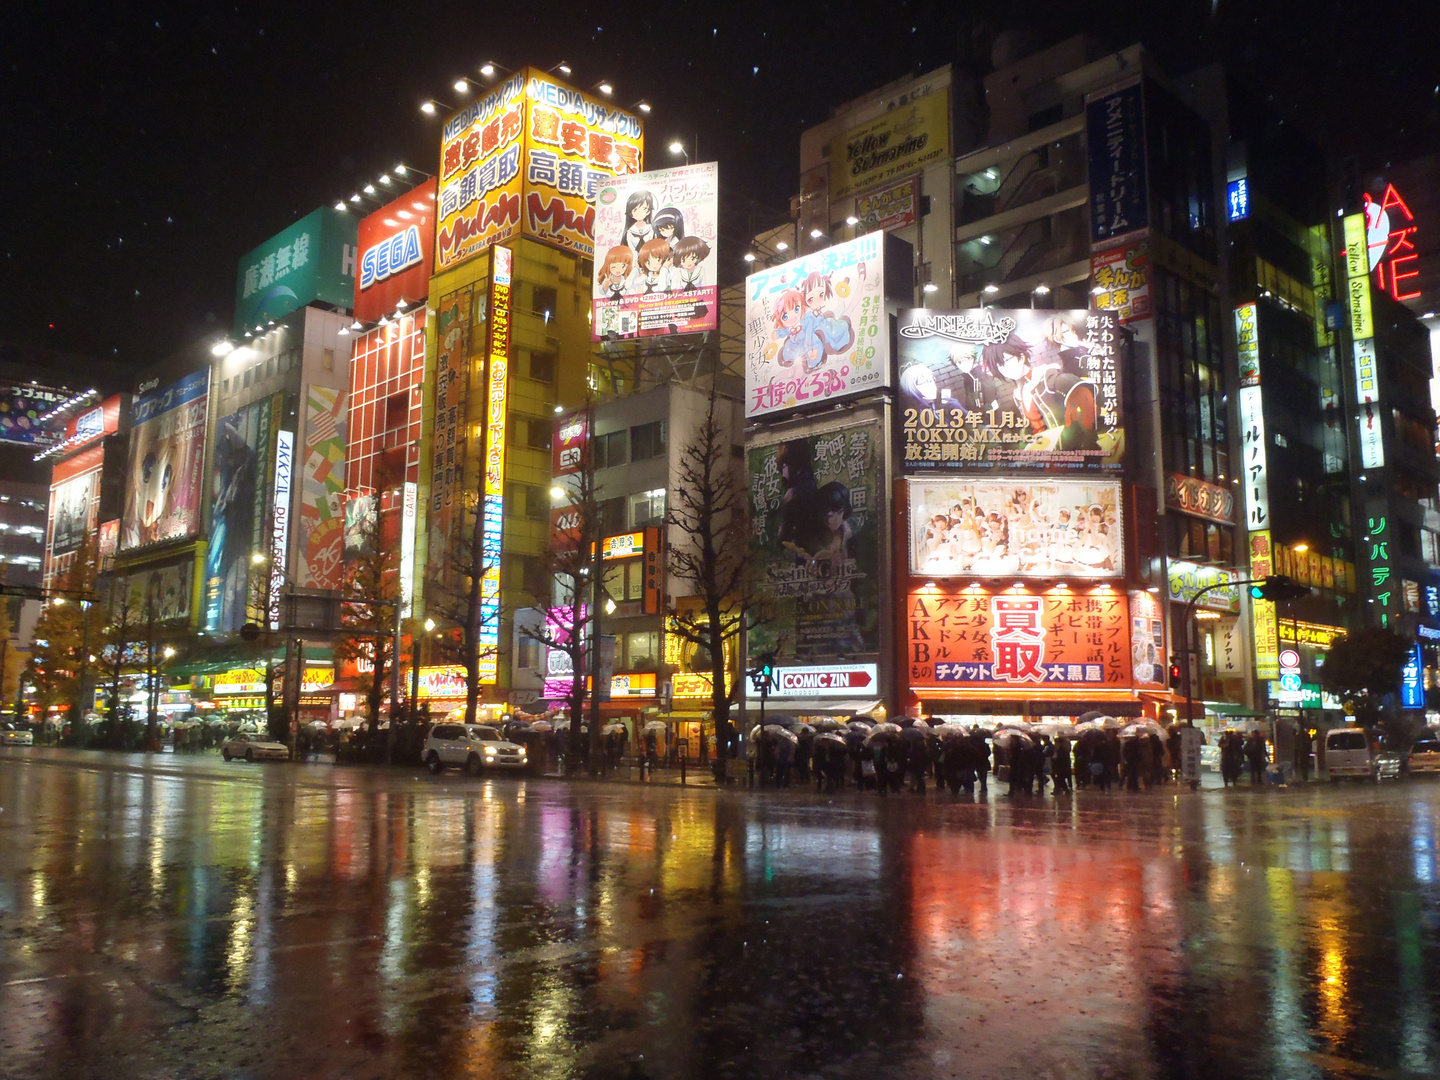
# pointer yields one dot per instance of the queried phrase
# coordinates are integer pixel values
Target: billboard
(25, 414)
(397, 247)
(567, 449)
(497, 380)
(322, 489)
(656, 250)
(1122, 282)
(1016, 527)
(893, 207)
(167, 455)
(1147, 641)
(992, 386)
(815, 504)
(165, 590)
(815, 328)
(314, 259)
(1058, 639)
(452, 383)
(74, 509)
(529, 156)
(913, 132)
(1115, 140)
(239, 481)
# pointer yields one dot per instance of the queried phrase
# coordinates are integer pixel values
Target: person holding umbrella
(980, 759)
(1060, 765)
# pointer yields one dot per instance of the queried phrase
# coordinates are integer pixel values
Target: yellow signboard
(1357, 257)
(903, 140)
(1267, 629)
(689, 685)
(1308, 633)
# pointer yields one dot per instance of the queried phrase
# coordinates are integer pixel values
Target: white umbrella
(654, 725)
(612, 729)
(784, 733)
(1143, 727)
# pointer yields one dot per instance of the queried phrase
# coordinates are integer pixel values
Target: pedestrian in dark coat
(918, 760)
(1157, 759)
(1060, 765)
(981, 759)
(1020, 777)
(1133, 753)
(1083, 751)
(1255, 756)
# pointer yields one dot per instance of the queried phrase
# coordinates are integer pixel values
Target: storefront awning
(1229, 708)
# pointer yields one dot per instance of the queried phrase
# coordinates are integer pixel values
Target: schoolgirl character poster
(815, 328)
(167, 453)
(815, 510)
(655, 253)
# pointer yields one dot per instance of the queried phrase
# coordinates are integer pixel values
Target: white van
(1348, 753)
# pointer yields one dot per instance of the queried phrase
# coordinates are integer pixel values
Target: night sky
(146, 147)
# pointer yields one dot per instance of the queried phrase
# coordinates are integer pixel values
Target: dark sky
(146, 146)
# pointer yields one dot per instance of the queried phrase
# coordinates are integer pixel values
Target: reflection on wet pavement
(182, 918)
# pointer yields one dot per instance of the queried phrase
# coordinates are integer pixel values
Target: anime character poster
(164, 590)
(362, 523)
(815, 505)
(1016, 528)
(1023, 387)
(167, 456)
(73, 506)
(322, 489)
(655, 253)
(238, 530)
(815, 328)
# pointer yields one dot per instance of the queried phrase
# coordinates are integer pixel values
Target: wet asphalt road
(179, 917)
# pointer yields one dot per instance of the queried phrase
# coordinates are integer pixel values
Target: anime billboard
(816, 509)
(655, 243)
(240, 468)
(1009, 387)
(322, 489)
(1016, 528)
(815, 328)
(167, 456)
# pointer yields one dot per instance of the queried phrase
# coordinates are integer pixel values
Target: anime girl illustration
(639, 208)
(654, 262)
(797, 506)
(806, 331)
(669, 225)
(835, 330)
(619, 263)
(689, 253)
(917, 381)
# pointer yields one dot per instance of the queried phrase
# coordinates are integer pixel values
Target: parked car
(253, 748)
(10, 735)
(1425, 756)
(1349, 751)
(472, 747)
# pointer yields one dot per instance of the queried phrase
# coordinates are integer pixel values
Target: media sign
(397, 245)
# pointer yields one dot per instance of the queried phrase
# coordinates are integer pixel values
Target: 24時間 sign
(989, 386)
(992, 640)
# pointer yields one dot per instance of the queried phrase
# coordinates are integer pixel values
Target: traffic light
(767, 667)
(1278, 588)
(1175, 675)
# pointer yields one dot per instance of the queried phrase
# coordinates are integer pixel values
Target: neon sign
(1390, 244)
(493, 527)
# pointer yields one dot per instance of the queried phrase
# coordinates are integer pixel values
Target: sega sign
(391, 256)
(397, 246)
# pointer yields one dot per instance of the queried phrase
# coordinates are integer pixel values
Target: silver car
(10, 735)
(253, 748)
(472, 747)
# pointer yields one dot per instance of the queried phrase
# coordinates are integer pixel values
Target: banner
(656, 252)
(992, 386)
(479, 182)
(397, 248)
(1122, 282)
(991, 640)
(23, 408)
(912, 133)
(239, 492)
(1016, 528)
(816, 507)
(1187, 580)
(889, 208)
(167, 455)
(1115, 139)
(74, 503)
(1148, 660)
(815, 328)
(322, 490)
(447, 502)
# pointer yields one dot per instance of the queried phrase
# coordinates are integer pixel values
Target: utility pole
(597, 597)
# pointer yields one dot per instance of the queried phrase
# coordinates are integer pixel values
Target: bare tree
(710, 554)
(570, 569)
(124, 620)
(370, 594)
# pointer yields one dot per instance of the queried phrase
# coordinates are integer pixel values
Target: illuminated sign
(1390, 245)
(1186, 581)
(396, 253)
(314, 259)
(1198, 497)
(568, 448)
(1267, 629)
(493, 528)
(1372, 440)
(1058, 639)
(912, 133)
(241, 681)
(623, 546)
(1357, 272)
(1308, 633)
(687, 684)
(1252, 440)
(317, 679)
(1122, 282)
(391, 256)
(280, 520)
(1289, 691)
(1412, 680)
(830, 680)
(442, 682)
(1115, 138)
(639, 684)
(409, 511)
(1247, 344)
(1237, 199)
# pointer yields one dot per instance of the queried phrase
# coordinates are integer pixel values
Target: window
(609, 450)
(537, 433)
(527, 499)
(543, 299)
(647, 441)
(270, 367)
(647, 509)
(247, 375)
(642, 650)
(527, 656)
(327, 360)
(542, 366)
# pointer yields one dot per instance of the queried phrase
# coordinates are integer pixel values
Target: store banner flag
(656, 252)
(996, 386)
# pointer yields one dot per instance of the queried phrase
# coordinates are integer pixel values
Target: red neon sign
(1391, 244)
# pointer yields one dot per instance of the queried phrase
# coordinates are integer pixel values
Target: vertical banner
(1267, 626)
(1252, 440)
(239, 490)
(280, 521)
(322, 490)
(1247, 344)
(452, 397)
(167, 456)
(408, 516)
(1115, 138)
(497, 392)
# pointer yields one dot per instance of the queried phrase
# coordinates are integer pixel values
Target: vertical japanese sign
(1375, 547)
(656, 250)
(280, 521)
(409, 513)
(816, 514)
(1247, 344)
(497, 383)
(167, 455)
(1391, 244)
(322, 490)
(568, 447)
(1122, 282)
(1362, 329)
(1057, 639)
(1252, 441)
(1237, 199)
(1267, 627)
(480, 191)
(1025, 387)
(1115, 139)
(815, 328)
(1147, 640)
(1412, 680)
(452, 397)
